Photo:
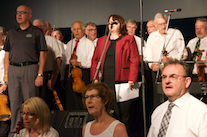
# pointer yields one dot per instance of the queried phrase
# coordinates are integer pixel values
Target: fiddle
(200, 69)
(5, 113)
(78, 83)
(57, 100)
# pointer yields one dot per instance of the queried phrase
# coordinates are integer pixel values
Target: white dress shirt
(2, 54)
(203, 46)
(138, 41)
(53, 52)
(188, 119)
(95, 42)
(175, 45)
(84, 53)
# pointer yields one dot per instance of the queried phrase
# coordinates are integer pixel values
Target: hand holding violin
(74, 62)
(3, 88)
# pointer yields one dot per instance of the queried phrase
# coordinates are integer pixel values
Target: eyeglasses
(29, 115)
(149, 27)
(162, 24)
(172, 77)
(201, 27)
(91, 29)
(21, 12)
(92, 97)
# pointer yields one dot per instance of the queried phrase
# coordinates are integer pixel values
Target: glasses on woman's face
(92, 97)
(29, 115)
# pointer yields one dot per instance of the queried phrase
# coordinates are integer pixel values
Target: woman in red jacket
(120, 62)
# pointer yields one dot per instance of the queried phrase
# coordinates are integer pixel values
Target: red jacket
(126, 58)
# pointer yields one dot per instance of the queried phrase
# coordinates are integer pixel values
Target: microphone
(174, 10)
(112, 23)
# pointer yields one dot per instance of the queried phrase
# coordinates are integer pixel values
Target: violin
(76, 73)
(57, 100)
(200, 69)
(5, 113)
(56, 97)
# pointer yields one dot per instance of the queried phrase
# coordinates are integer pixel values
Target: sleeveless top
(109, 132)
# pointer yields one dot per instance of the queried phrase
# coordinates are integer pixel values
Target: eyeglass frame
(22, 12)
(91, 30)
(92, 97)
(29, 115)
(173, 76)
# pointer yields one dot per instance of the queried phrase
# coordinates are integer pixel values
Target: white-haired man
(174, 47)
(78, 54)
(131, 26)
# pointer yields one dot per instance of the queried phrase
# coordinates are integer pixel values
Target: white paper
(124, 93)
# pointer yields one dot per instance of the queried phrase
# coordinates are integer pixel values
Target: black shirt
(25, 45)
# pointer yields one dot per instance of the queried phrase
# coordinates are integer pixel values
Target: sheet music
(124, 93)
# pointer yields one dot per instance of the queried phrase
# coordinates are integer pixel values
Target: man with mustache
(199, 43)
(174, 47)
(174, 43)
(182, 114)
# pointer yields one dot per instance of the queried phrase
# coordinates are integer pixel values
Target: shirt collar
(168, 32)
(29, 28)
(81, 39)
(205, 38)
(182, 100)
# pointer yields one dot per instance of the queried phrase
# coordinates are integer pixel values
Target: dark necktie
(73, 56)
(165, 121)
(195, 53)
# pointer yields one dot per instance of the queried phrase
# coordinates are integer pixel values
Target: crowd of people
(35, 63)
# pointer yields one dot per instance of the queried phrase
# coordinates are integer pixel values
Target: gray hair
(3, 30)
(91, 24)
(186, 67)
(131, 21)
(82, 25)
(160, 15)
(42, 22)
(202, 19)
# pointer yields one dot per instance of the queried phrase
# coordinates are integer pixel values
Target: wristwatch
(40, 75)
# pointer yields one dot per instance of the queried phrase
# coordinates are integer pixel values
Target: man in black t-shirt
(25, 54)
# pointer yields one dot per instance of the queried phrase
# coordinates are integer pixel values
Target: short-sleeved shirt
(25, 45)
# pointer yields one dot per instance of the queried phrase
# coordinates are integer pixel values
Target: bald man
(151, 26)
(49, 28)
(52, 65)
(25, 55)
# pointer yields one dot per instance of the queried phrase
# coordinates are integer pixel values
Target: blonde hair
(40, 109)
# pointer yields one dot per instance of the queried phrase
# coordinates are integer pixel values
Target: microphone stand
(142, 67)
(98, 68)
(163, 48)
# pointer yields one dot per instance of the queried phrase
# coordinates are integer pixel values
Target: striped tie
(195, 53)
(165, 121)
